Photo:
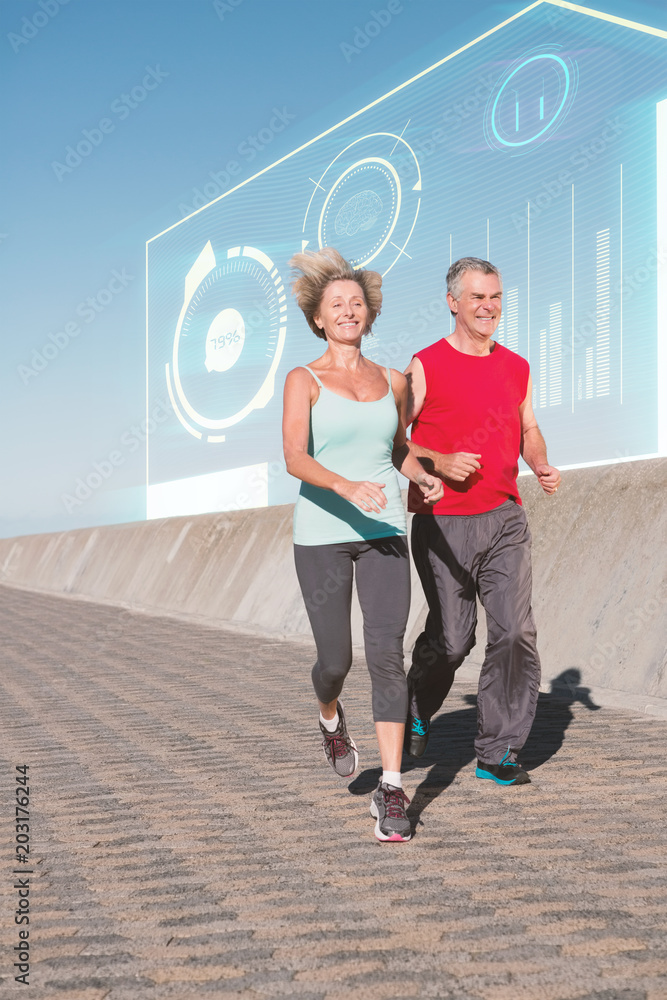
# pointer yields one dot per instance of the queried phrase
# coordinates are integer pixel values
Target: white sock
(392, 778)
(330, 724)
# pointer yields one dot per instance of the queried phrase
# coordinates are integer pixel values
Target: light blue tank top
(354, 439)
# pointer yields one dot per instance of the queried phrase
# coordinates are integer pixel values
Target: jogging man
(472, 416)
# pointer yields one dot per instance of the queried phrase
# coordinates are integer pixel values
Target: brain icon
(359, 212)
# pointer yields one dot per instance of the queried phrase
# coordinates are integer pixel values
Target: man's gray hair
(459, 267)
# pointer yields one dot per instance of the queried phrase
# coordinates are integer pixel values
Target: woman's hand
(366, 495)
(432, 488)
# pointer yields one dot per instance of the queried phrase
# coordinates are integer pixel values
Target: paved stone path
(189, 840)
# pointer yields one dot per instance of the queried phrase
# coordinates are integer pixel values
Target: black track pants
(457, 558)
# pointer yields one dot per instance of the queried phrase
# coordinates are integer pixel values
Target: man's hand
(548, 477)
(458, 466)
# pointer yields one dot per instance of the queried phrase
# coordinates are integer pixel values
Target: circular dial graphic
(228, 342)
(530, 101)
(366, 202)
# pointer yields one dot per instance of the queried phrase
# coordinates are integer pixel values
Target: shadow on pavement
(553, 716)
(450, 746)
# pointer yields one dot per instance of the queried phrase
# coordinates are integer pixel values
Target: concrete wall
(599, 586)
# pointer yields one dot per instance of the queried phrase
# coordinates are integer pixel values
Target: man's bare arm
(416, 379)
(457, 466)
(533, 446)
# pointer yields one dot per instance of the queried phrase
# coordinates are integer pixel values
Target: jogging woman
(343, 434)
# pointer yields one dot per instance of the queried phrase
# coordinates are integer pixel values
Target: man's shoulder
(509, 357)
(434, 349)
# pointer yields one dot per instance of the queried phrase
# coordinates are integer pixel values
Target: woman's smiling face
(343, 313)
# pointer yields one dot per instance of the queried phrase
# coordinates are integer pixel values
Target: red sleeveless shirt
(472, 404)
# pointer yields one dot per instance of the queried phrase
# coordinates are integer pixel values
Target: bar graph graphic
(508, 328)
(551, 359)
(602, 376)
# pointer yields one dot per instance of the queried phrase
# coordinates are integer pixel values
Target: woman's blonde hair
(315, 270)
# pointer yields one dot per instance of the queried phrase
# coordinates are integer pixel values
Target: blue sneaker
(505, 773)
(416, 735)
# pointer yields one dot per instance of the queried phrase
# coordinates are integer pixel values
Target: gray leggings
(325, 575)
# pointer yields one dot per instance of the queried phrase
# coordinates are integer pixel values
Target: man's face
(479, 305)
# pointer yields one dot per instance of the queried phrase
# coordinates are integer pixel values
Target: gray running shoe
(388, 808)
(339, 749)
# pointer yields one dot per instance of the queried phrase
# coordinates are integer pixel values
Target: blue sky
(160, 96)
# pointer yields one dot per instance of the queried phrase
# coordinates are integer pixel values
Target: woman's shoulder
(301, 382)
(302, 373)
(399, 383)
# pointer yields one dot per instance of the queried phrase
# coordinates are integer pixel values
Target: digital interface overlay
(541, 146)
